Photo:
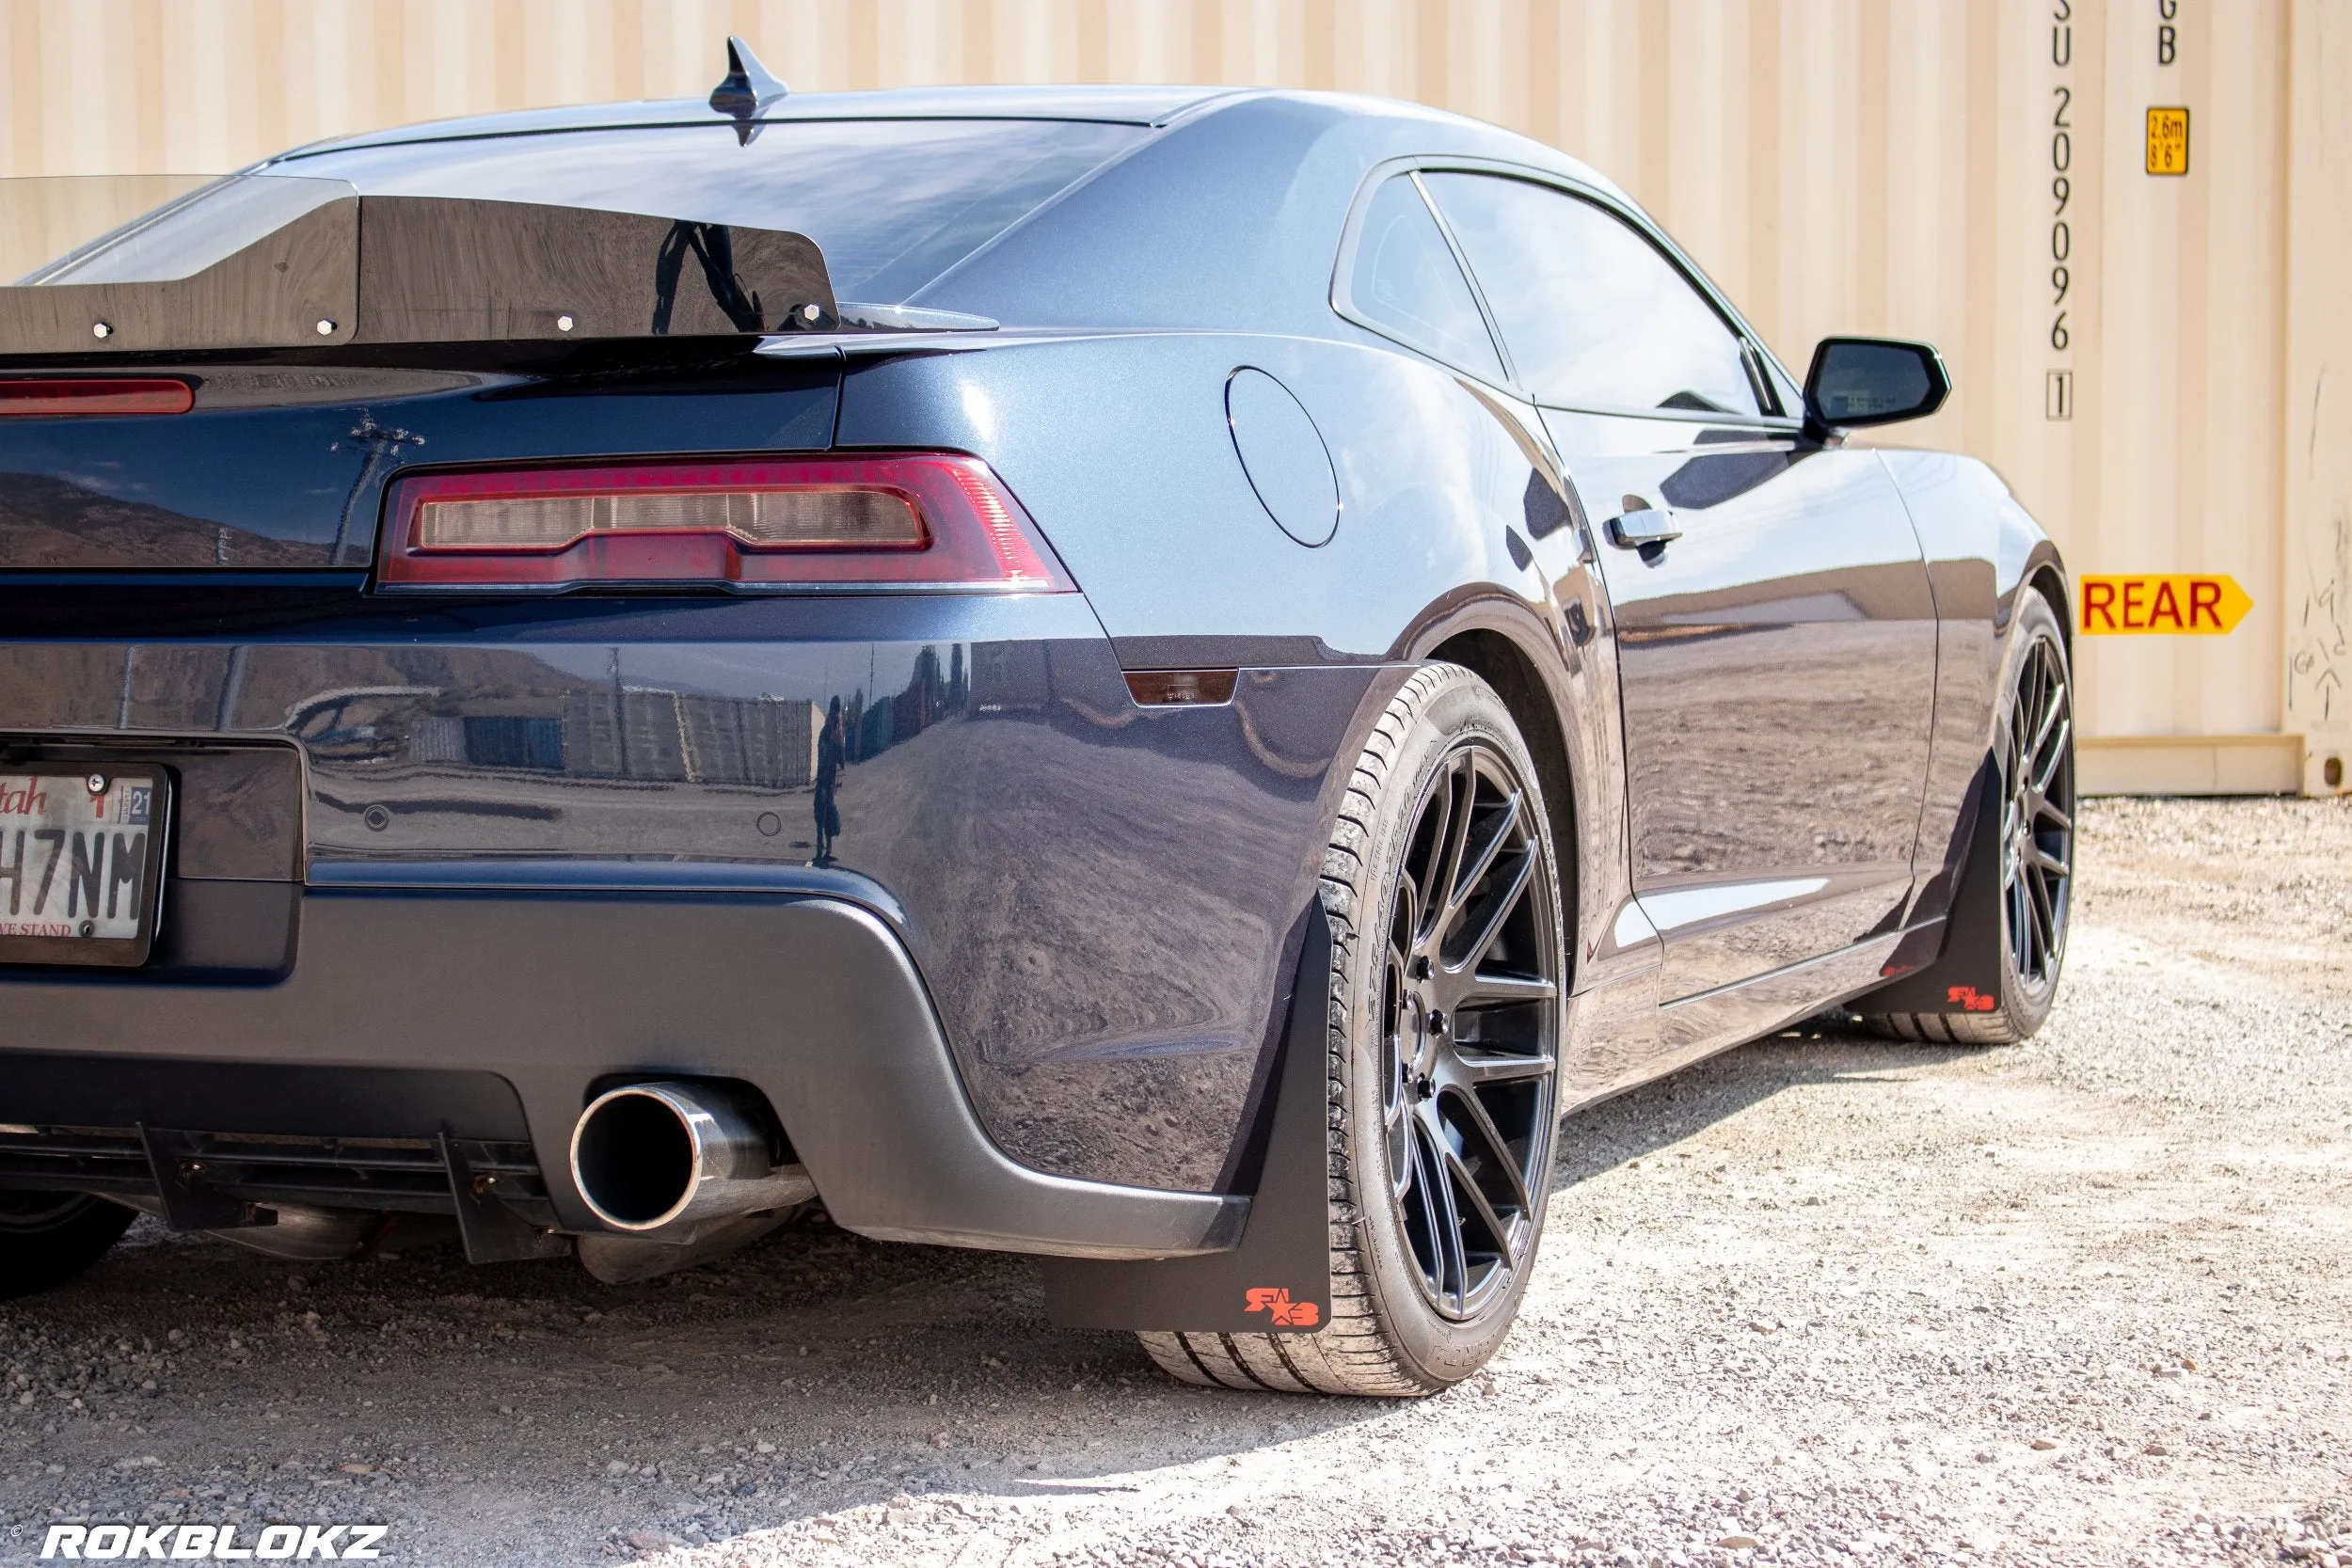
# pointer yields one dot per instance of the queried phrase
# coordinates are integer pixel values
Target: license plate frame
(34, 875)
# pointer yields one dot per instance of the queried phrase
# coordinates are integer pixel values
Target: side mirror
(1865, 381)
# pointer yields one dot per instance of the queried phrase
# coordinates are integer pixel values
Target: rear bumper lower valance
(812, 1000)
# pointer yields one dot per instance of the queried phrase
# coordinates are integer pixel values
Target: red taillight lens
(54, 399)
(932, 521)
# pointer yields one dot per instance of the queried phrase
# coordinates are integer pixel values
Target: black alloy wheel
(2033, 757)
(2038, 818)
(1469, 1056)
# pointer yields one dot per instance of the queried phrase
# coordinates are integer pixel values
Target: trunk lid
(281, 463)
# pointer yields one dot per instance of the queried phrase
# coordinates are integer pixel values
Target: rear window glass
(177, 239)
(891, 203)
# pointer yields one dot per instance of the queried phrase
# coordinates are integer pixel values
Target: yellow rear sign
(2151, 604)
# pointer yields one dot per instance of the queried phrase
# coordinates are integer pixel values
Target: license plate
(81, 864)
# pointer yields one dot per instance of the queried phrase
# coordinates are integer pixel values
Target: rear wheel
(2035, 747)
(1447, 974)
(48, 1238)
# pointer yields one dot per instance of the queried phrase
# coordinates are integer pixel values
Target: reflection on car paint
(1055, 842)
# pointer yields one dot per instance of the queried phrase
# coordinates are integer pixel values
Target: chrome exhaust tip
(660, 1160)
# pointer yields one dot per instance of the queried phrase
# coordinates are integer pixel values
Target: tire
(2034, 756)
(49, 1237)
(1444, 1024)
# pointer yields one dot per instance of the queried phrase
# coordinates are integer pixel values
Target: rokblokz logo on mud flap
(212, 1543)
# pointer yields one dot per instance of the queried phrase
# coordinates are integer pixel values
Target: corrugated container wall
(2161, 364)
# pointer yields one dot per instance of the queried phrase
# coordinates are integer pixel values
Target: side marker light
(1173, 687)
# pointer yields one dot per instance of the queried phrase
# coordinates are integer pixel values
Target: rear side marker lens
(1173, 687)
(923, 521)
(52, 398)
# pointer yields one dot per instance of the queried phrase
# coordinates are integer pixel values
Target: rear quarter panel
(1119, 446)
(1451, 519)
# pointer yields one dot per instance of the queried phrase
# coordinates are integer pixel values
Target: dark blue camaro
(1155, 677)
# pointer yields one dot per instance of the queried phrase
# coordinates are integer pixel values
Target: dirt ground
(1822, 1299)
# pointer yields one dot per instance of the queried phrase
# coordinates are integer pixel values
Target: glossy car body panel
(1779, 673)
(1981, 552)
(284, 465)
(1755, 749)
(1139, 488)
(423, 979)
(1051, 843)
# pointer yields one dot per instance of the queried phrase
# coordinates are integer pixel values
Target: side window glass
(1595, 315)
(1406, 283)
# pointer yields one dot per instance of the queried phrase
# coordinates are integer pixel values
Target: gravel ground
(1822, 1299)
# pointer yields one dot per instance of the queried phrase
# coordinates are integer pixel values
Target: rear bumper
(1095, 891)
(414, 1003)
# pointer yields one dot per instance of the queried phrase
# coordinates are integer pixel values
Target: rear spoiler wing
(397, 269)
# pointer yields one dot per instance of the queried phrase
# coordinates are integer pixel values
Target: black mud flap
(1279, 1280)
(1964, 976)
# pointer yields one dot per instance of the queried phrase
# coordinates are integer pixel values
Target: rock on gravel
(1824, 1300)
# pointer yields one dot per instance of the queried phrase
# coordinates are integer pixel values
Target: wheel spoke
(1504, 903)
(1422, 1182)
(2045, 861)
(1498, 1149)
(1405, 923)
(1452, 1257)
(2048, 771)
(1472, 872)
(2045, 809)
(1427, 883)
(2020, 921)
(1396, 1110)
(1404, 1163)
(1474, 1067)
(2044, 942)
(1496, 990)
(1439, 902)
(1465, 1186)
(2048, 707)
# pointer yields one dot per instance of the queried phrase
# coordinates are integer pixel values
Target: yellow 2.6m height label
(2167, 142)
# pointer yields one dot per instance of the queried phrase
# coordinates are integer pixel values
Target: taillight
(873, 522)
(56, 397)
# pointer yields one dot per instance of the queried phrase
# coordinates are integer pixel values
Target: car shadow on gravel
(1632, 1126)
(813, 1372)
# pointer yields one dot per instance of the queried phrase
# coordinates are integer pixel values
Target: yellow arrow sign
(2162, 604)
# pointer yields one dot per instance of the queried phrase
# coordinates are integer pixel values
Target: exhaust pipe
(663, 1161)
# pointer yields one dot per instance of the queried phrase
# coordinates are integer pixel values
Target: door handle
(1642, 527)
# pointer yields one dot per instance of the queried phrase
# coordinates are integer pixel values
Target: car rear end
(417, 738)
